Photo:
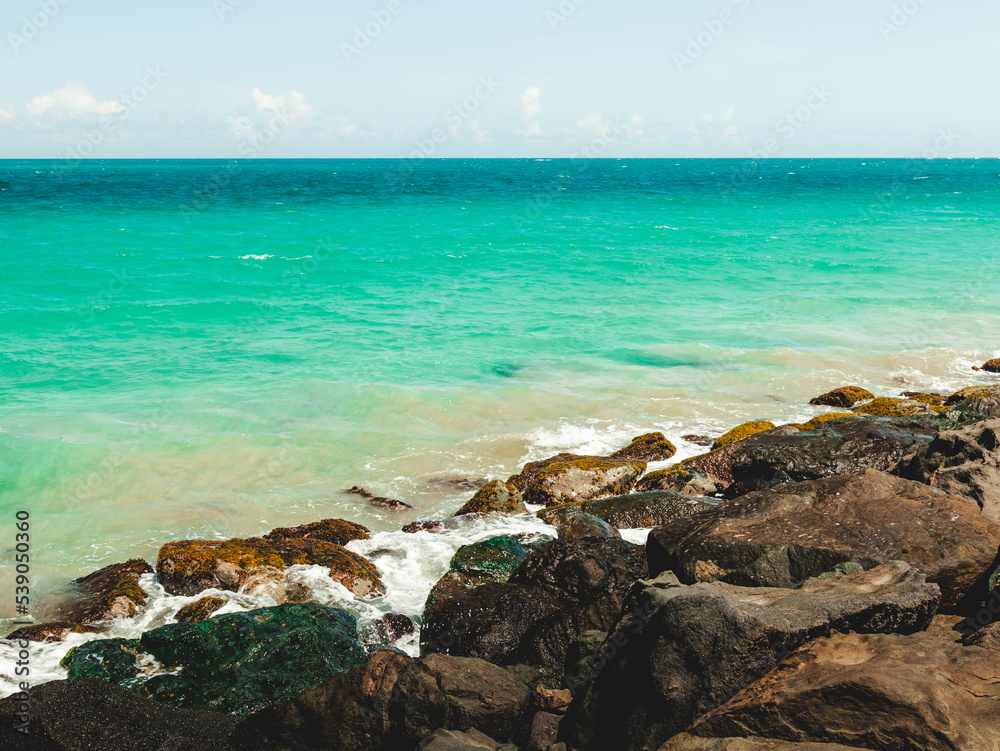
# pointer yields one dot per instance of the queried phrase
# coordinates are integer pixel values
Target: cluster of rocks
(819, 586)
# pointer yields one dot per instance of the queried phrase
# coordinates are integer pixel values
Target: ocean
(212, 349)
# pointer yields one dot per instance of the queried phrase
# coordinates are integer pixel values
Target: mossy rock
(845, 397)
(992, 366)
(492, 560)
(886, 406)
(337, 531)
(817, 421)
(973, 392)
(51, 631)
(934, 399)
(495, 497)
(567, 478)
(690, 481)
(111, 592)
(740, 432)
(199, 610)
(236, 663)
(187, 567)
(651, 447)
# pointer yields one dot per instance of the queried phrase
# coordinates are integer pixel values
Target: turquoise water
(199, 348)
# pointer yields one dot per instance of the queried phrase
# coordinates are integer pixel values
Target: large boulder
(490, 561)
(568, 478)
(634, 511)
(456, 740)
(112, 592)
(784, 535)
(455, 693)
(651, 447)
(679, 651)
(187, 567)
(689, 481)
(836, 447)
(97, 716)
(844, 397)
(878, 691)
(235, 663)
(992, 366)
(564, 588)
(348, 711)
(963, 462)
(495, 497)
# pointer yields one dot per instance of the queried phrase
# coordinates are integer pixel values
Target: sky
(499, 78)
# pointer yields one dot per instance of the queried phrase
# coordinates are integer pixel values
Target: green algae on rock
(495, 496)
(236, 663)
(740, 432)
(846, 396)
(493, 560)
(651, 447)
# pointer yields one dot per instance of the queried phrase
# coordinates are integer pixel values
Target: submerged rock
(235, 663)
(112, 592)
(94, 715)
(567, 478)
(496, 497)
(782, 536)
(50, 631)
(740, 432)
(187, 567)
(651, 447)
(882, 691)
(377, 500)
(348, 711)
(564, 588)
(836, 447)
(845, 397)
(337, 531)
(963, 462)
(698, 440)
(680, 651)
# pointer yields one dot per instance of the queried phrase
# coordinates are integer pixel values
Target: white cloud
(293, 105)
(243, 128)
(71, 102)
(531, 108)
(716, 126)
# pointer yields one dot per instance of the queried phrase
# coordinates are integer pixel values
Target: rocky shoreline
(829, 585)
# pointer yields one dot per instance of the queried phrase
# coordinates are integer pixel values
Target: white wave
(256, 258)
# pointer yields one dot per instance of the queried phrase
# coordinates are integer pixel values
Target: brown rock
(685, 742)
(544, 731)
(187, 567)
(551, 699)
(49, 632)
(885, 406)
(567, 478)
(846, 396)
(199, 610)
(781, 536)
(698, 440)
(651, 447)
(377, 500)
(879, 691)
(112, 592)
(495, 497)
(992, 366)
(337, 531)
(690, 481)
(933, 399)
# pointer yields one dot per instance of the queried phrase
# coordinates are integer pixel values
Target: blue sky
(450, 78)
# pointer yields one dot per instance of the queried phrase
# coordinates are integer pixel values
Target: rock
(348, 711)
(679, 651)
(698, 440)
(781, 536)
(433, 525)
(717, 464)
(552, 700)
(454, 740)
(973, 392)
(976, 409)
(49, 632)
(490, 561)
(651, 447)
(685, 742)
(458, 484)
(635, 511)
(981, 604)
(580, 526)
(495, 497)
(819, 420)
(691, 482)
(934, 399)
(112, 592)
(377, 500)
(564, 588)
(885, 406)
(844, 397)
(94, 715)
(582, 658)
(235, 663)
(992, 366)
(882, 691)
(963, 462)
(455, 693)
(838, 447)
(337, 531)
(567, 478)
(199, 610)
(544, 731)
(187, 567)
(740, 432)
(392, 627)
